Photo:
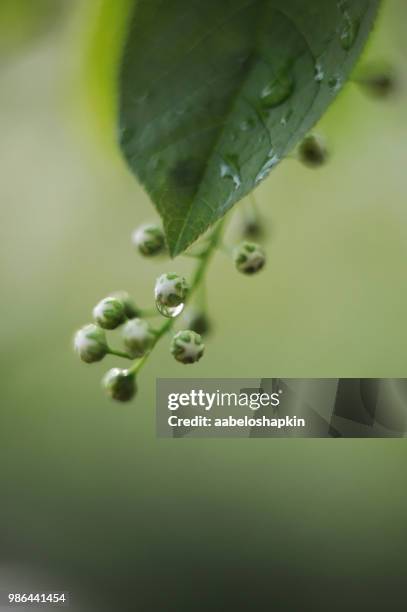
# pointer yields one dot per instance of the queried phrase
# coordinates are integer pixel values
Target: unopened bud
(120, 384)
(249, 258)
(109, 313)
(149, 239)
(137, 335)
(187, 347)
(90, 343)
(130, 309)
(312, 151)
(197, 321)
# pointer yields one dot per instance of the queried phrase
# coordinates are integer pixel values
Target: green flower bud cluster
(91, 344)
(171, 292)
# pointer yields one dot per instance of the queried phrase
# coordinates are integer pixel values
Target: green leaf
(214, 93)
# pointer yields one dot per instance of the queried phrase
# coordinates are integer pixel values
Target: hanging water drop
(170, 294)
(170, 311)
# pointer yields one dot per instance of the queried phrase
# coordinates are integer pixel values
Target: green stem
(206, 256)
(119, 353)
(160, 332)
(197, 279)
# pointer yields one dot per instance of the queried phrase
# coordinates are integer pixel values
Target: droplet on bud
(170, 293)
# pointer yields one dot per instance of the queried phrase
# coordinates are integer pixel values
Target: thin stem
(160, 332)
(119, 353)
(206, 257)
(197, 279)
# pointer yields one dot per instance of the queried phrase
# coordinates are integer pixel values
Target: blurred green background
(91, 501)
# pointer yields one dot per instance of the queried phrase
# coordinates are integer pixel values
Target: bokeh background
(91, 501)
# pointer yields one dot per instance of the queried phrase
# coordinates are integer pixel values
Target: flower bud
(197, 321)
(249, 258)
(137, 335)
(90, 343)
(130, 309)
(252, 228)
(120, 384)
(312, 151)
(109, 313)
(380, 85)
(377, 79)
(149, 239)
(170, 294)
(187, 346)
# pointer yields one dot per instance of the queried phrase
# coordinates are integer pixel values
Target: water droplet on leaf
(229, 169)
(319, 73)
(271, 161)
(247, 124)
(335, 83)
(349, 29)
(349, 33)
(277, 91)
(285, 118)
